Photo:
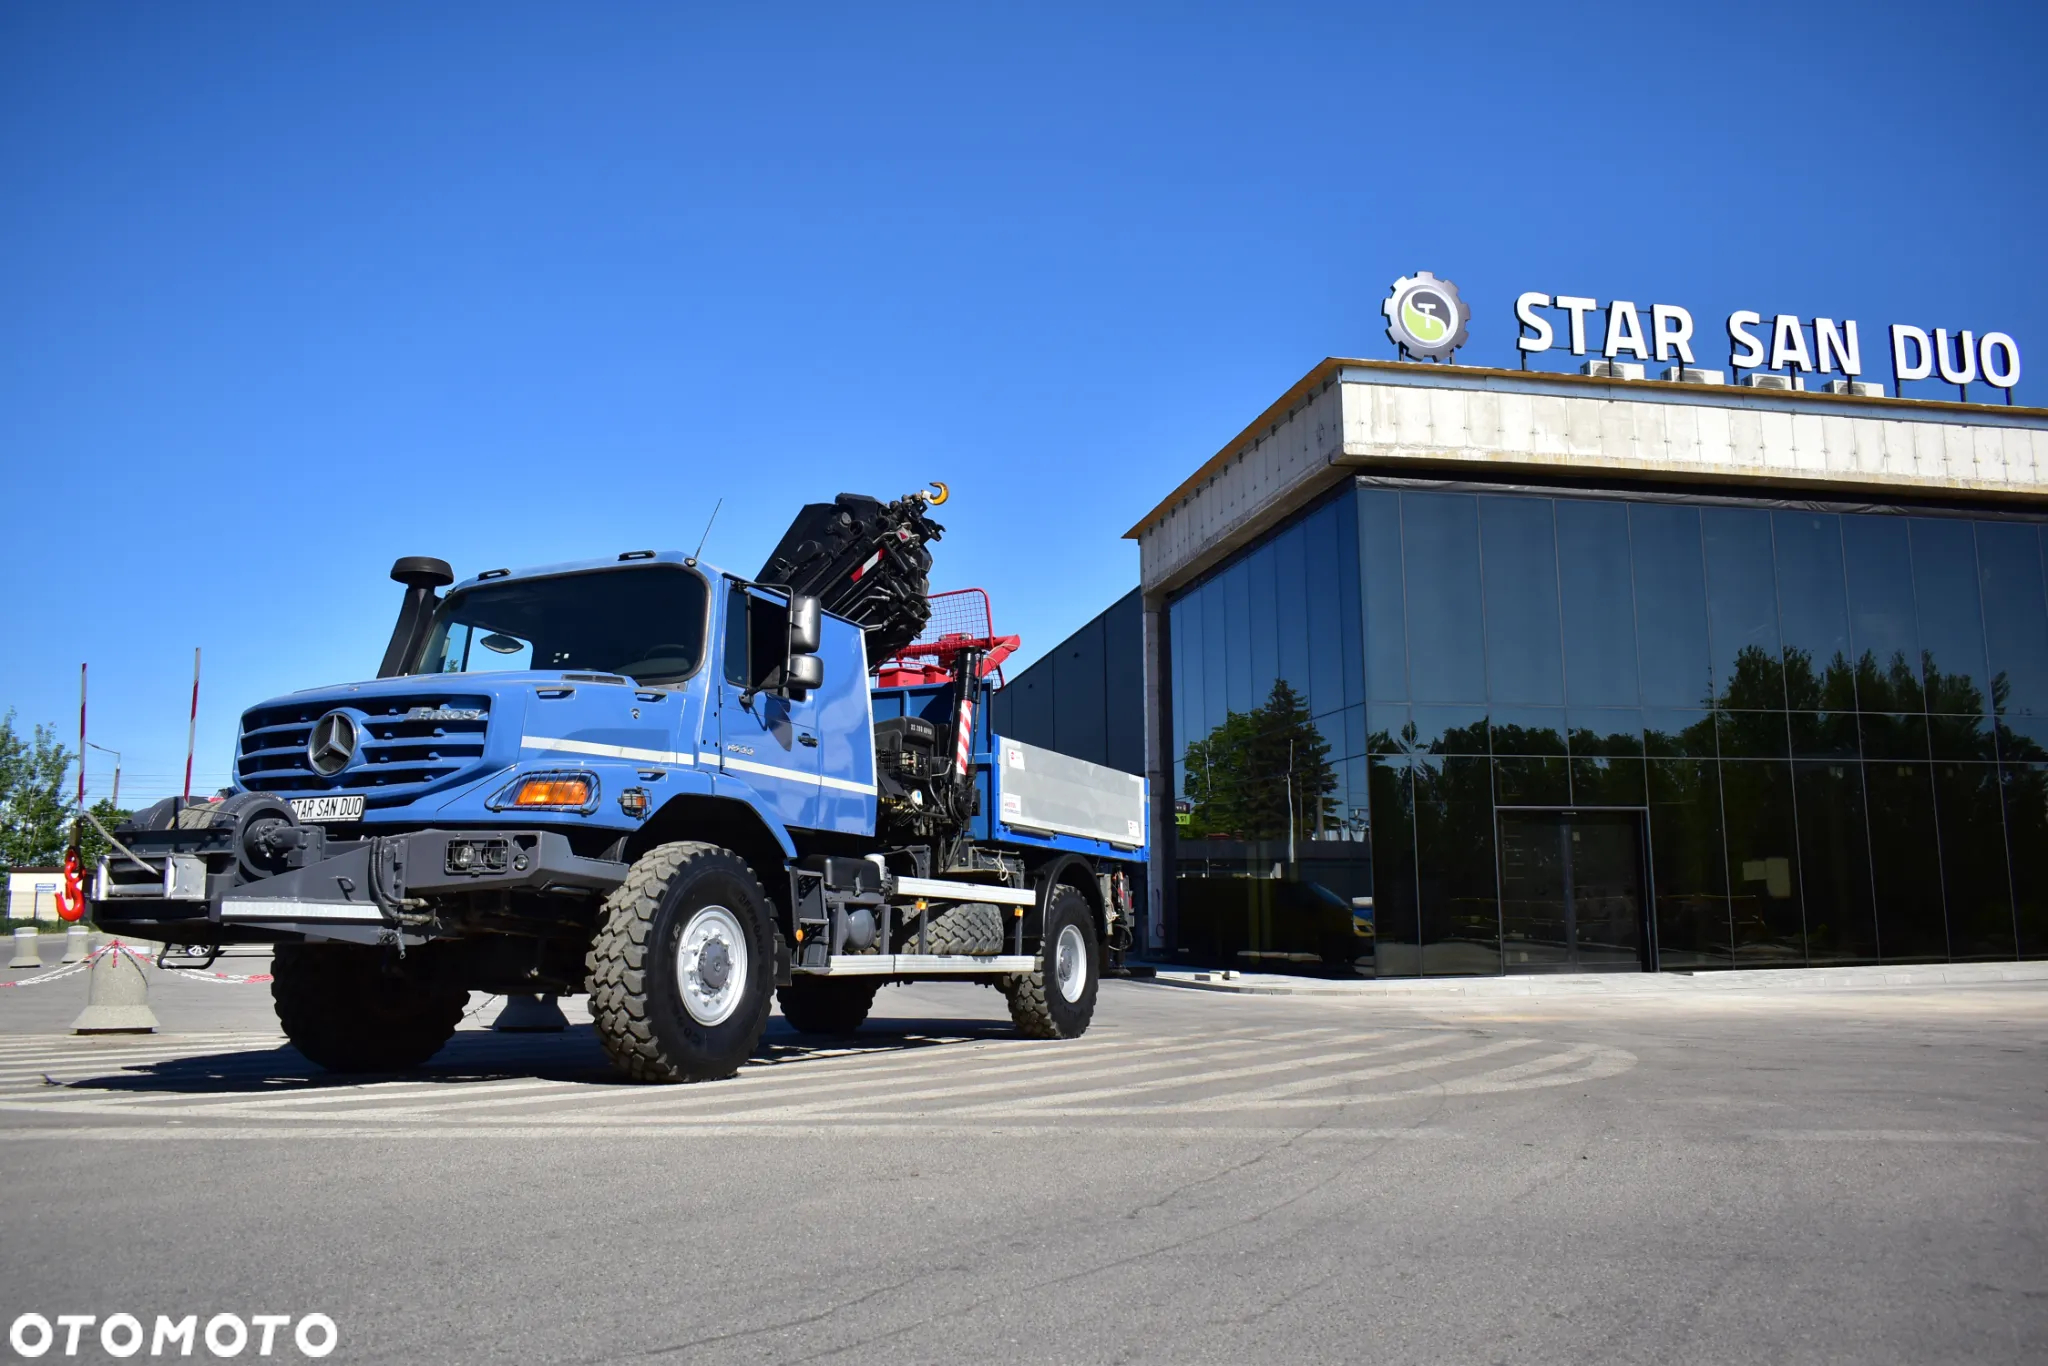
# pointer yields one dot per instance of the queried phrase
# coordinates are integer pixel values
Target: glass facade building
(1426, 728)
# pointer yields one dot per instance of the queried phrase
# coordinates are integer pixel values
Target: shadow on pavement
(481, 1055)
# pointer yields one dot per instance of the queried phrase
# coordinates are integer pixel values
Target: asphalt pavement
(1857, 1174)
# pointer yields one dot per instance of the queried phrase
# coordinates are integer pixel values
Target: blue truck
(682, 791)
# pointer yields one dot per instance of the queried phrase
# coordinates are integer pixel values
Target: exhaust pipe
(421, 575)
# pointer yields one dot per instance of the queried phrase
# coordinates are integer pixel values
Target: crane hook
(937, 498)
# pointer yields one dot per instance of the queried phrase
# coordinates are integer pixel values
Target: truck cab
(645, 778)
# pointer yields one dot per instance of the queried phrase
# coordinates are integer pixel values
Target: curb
(1585, 985)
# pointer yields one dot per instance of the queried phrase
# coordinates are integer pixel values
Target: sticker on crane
(1016, 757)
(963, 744)
(872, 561)
(1013, 805)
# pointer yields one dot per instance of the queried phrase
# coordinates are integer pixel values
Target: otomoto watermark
(123, 1335)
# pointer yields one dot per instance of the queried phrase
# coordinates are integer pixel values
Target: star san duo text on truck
(677, 789)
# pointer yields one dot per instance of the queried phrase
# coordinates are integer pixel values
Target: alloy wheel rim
(711, 965)
(1070, 963)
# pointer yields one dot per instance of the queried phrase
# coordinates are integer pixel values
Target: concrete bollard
(531, 1015)
(118, 1002)
(28, 949)
(77, 944)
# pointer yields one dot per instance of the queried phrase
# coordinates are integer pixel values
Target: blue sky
(289, 291)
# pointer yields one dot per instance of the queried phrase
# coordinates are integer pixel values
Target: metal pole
(81, 737)
(192, 726)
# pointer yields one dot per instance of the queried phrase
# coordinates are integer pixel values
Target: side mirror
(804, 673)
(806, 631)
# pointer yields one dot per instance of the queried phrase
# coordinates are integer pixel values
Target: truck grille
(406, 745)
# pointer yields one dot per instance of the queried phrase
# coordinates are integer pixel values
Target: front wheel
(683, 965)
(1057, 999)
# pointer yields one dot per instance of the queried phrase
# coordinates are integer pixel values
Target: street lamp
(115, 800)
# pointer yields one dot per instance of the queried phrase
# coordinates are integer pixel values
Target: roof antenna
(692, 561)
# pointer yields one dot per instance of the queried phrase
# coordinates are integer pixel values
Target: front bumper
(369, 890)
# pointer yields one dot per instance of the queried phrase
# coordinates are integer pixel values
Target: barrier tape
(196, 974)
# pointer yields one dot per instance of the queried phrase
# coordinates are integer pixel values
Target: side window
(736, 654)
(756, 634)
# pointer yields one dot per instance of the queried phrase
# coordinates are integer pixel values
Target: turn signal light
(553, 792)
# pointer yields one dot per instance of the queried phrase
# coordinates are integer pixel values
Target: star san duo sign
(1426, 319)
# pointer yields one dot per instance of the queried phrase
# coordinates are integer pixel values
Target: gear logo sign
(1425, 316)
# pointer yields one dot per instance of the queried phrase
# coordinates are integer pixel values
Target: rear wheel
(351, 1008)
(827, 1005)
(683, 965)
(1057, 999)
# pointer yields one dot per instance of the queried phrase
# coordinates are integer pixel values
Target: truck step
(920, 965)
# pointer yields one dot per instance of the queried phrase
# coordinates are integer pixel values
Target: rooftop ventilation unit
(1856, 387)
(1775, 382)
(1687, 374)
(1611, 369)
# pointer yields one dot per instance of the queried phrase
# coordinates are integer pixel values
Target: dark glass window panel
(1962, 737)
(1884, 638)
(1607, 782)
(1529, 730)
(1262, 638)
(1752, 734)
(1742, 609)
(1688, 865)
(1605, 730)
(1951, 619)
(1597, 606)
(1388, 729)
(2015, 616)
(2023, 739)
(1524, 659)
(1823, 734)
(1446, 632)
(1347, 727)
(1326, 575)
(1680, 734)
(1451, 730)
(1237, 633)
(1671, 606)
(1291, 583)
(1905, 862)
(1533, 782)
(1535, 892)
(1217, 647)
(1177, 685)
(1397, 941)
(1813, 613)
(1350, 608)
(1834, 864)
(1460, 902)
(1967, 807)
(1386, 616)
(1898, 736)
(1190, 722)
(1763, 862)
(2026, 839)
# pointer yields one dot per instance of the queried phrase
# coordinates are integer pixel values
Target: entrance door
(1572, 891)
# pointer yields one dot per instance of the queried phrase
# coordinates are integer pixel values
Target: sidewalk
(1610, 983)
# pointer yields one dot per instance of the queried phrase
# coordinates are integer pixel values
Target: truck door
(771, 742)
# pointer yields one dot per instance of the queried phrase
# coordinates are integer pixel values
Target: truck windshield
(646, 622)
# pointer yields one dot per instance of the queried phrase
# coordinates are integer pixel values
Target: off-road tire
(636, 990)
(975, 928)
(352, 1008)
(1038, 1006)
(827, 1005)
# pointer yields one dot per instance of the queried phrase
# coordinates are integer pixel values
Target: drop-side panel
(1037, 789)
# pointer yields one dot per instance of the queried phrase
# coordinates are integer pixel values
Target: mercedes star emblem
(333, 744)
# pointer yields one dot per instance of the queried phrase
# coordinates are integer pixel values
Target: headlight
(548, 792)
